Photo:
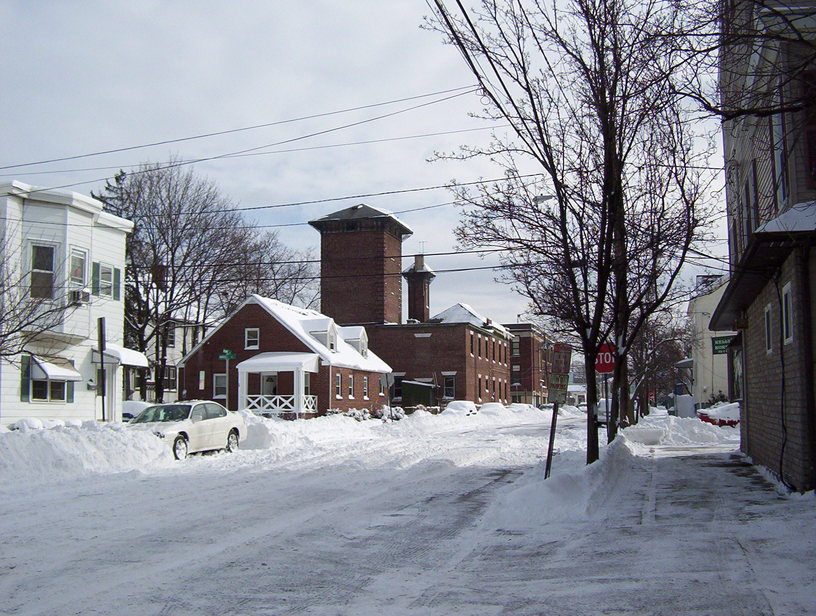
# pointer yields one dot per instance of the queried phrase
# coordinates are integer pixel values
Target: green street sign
(226, 354)
(719, 344)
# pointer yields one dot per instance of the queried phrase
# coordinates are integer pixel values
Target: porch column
(299, 383)
(243, 387)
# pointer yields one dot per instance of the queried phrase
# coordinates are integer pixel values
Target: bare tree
(33, 301)
(189, 254)
(588, 89)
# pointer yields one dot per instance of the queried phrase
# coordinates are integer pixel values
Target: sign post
(227, 355)
(605, 364)
(559, 378)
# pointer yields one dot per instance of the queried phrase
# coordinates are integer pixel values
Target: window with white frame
(42, 271)
(252, 338)
(514, 348)
(351, 386)
(768, 329)
(338, 385)
(787, 313)
(449, 386)
(365, 387)
(78, 262)
(219, 386)
(46, 390)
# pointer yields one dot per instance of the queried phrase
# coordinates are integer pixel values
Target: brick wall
(770, 420)
(427, 350)
(353, 259)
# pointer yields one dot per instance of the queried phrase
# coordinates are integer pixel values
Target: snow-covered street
(428, 515)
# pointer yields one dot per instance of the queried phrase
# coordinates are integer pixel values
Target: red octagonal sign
(605, 361)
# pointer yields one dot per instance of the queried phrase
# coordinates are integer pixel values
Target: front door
(269, 385)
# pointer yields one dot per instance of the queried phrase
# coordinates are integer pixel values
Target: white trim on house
(46, 370)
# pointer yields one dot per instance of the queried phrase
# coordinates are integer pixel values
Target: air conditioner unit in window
(79, 296)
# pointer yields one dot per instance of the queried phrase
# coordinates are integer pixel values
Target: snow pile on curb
(578, 492)
(681, 431)
(33, 454)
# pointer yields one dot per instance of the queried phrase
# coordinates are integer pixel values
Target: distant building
(530, 363)
(770, 164)
(709, 352)
(459, 353)
(67, 256)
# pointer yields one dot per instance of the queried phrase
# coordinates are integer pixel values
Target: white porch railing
(279, 404)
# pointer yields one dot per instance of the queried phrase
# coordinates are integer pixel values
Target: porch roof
(280, 361)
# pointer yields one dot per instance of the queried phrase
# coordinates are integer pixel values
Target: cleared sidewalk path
(673, 531)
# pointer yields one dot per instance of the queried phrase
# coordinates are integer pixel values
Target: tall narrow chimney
(419, 278)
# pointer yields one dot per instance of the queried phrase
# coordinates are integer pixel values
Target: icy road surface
(430, 515)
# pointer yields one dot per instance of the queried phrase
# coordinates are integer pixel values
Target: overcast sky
(83, 76)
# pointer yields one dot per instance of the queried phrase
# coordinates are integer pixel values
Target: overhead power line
(261, 147)
(234, 130)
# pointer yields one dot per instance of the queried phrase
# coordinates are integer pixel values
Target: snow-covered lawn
(434, 514)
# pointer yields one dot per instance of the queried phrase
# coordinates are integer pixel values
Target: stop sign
(605, 361)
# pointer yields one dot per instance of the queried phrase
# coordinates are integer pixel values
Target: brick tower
(419, 277)
(360, 265)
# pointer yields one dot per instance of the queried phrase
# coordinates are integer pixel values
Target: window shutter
(25, 377)
(117, 281)
(69, 391)
(95, 279)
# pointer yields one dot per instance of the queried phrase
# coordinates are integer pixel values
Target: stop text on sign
(605, 361)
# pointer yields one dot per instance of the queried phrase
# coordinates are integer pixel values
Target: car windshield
(163, 412)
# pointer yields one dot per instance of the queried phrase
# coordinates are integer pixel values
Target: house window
(42, 271)
(169, 377)
(768, 330)
(78, 260)
(219, 386)
(471, 343)
(480, 346)
(398, 387)
(351, 386)
(787, 313)
(252, 338)
(338, 385)
(171, 335)
(449, 387)
(105, 280)
(307, 383)
(479, 390)
(48, 391)
(365, 387)
(514, 348)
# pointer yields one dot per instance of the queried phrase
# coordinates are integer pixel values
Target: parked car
(193, 426)
(460, 407)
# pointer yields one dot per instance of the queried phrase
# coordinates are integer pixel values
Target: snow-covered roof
(361, 211)
(464, 313)
(305, 323)
(798, 218)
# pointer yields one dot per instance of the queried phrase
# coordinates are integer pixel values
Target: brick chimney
(419, 277)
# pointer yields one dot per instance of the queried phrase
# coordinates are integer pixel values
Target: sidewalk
(675, 531)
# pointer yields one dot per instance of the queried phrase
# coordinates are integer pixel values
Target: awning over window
(280, 362)
(116, 354)
(55, 369)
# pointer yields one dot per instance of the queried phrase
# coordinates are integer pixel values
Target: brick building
(458, 352)
(530, 363)
(770, 164)
(284, 360)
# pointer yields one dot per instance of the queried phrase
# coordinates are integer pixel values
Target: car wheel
(180, 448)
(232, 441)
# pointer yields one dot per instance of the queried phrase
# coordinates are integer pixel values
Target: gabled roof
(307, 325)
(464, 313)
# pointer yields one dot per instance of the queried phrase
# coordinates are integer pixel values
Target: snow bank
(679, 431)
(34, 453)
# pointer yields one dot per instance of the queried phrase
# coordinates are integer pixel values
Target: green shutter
(69, 391)
(25, 377)
(117, 281)
(95, 279)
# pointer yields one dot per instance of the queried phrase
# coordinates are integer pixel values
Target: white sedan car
(192, 426)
